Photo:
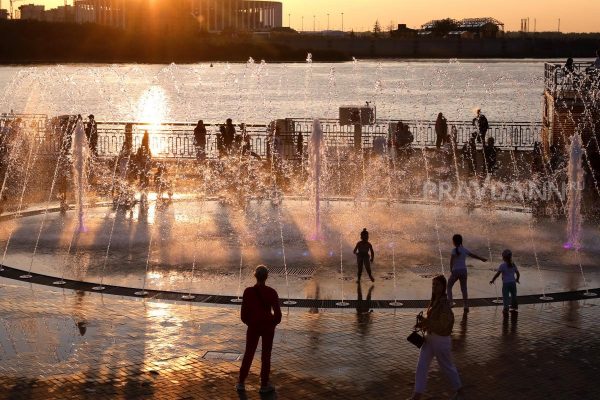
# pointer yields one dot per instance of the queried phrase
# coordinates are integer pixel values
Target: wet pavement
(63, 344)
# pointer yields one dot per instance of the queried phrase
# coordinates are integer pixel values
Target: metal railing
(581, 81)
(176, 140)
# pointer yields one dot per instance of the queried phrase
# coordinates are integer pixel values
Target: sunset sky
(575, 15)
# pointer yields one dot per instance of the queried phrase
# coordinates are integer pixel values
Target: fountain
(575, 181)
(298, 214)
(316, 156)
(81, 152)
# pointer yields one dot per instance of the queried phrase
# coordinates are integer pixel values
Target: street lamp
(302, 28)
(327, 21)
(342, 22)
(289, 20)
(314, 23)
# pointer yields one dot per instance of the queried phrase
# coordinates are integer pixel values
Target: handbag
(417, 336)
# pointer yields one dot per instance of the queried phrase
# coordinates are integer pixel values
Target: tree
(391, 26)
(376, 28)
(444, 26)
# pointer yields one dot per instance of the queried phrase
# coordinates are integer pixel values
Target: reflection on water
(192, 92)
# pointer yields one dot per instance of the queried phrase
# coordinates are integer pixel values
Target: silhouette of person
(261, 313)
(596, 63)
(441, 130)
(91, 132)
(143, 160)
(458, 269)
(229, 134)
(200, 140)
(490, 154)
(482, 125)
(362, 250)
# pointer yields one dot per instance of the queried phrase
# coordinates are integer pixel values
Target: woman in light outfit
(437, 326)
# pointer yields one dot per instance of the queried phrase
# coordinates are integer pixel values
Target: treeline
(41, 42)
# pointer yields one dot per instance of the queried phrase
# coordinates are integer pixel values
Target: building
(403, 32)
(31, 12)
(208, 15)
(467, 28)
(220, 15)
(60, 14)
(3, 14)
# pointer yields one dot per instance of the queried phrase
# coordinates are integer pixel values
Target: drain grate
(427, 271)
(221, 356)
(293, 271)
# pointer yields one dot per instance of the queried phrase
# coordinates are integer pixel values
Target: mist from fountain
(81, 157)
(316, 158)
(575, 182)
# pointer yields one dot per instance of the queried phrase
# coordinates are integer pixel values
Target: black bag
(415, 337)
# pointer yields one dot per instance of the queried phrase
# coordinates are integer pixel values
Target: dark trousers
(252, 336)
(363, 260)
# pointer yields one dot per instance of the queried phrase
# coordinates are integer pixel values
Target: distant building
(60, 14)
(31, 12)
(467, 28)
(219, 15)
(403, 32)
(3, 14)
(209, 15)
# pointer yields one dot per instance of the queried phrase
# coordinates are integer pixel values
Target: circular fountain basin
(212, 248)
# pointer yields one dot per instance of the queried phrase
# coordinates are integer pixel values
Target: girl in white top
(458, 269)
(510, 278)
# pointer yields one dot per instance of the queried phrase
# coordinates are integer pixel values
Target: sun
(151, 112)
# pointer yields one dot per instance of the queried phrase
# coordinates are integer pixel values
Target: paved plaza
(65, 344)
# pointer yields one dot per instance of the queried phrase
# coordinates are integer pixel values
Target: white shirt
(508, 273)
(460, 259)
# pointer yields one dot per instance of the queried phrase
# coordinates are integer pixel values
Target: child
(362, 250)
(458, 269)
(508, 269)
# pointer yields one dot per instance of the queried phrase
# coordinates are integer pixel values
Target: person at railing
(143, 159)
(596, 63)
(441, 130)
(229, 136)
(403, 139)
(490, 153)
(569, 66)
(200, 140)
(482, 125)
(300, 145)
(91, 132)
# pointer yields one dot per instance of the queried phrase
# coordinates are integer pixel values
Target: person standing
(143, 159)
(482, 125)
(200, 140)
(596, 63)
(441, 130)
(510, 278)
(91, 132)
(229, 135)
(362, 250)
(458, 269)
(490, 154)
(437, 326)
(261, 313)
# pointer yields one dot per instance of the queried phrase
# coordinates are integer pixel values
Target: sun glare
(151, 110)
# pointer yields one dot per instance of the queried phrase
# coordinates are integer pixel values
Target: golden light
(151, 110)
